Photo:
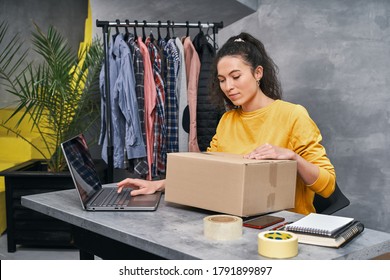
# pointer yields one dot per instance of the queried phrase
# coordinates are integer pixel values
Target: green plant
(59, 96)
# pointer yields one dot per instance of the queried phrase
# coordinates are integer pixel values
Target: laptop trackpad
(148, 199)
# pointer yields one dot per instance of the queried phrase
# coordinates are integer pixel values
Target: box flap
(223, 157)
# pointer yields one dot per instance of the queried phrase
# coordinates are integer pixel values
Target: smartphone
(262, 222)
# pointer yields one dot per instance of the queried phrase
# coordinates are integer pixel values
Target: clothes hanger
(127, 33)
(151, 36)
(168, 36)
(135, 30)
(212, 39)
(158, 31)
(207, 35)
(173, 30)
(188, 28)
(200, 27)
(116, 29)
(143, 31)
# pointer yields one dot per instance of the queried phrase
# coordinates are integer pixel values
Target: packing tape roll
(277, 244)
(222, 227)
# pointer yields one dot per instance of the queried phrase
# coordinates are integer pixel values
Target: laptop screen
(81, 167)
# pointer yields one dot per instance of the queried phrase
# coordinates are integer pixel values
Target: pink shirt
(192, 62)
(150, 95)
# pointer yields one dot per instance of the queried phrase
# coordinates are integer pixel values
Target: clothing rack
(105, 25)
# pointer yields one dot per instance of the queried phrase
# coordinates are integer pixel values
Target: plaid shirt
(171, 104)
(159, 145)
(140, 164)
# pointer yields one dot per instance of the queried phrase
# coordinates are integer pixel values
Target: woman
(259, 125)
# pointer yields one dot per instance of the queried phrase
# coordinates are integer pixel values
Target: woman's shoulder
(297, 114)
(230, 113)
(291, 108)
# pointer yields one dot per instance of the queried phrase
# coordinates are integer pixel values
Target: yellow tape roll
(222, 227)
(277, 244)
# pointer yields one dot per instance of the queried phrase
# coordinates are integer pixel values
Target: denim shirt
(126, 129)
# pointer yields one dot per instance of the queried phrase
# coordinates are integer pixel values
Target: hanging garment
(113, 74)
(192, 63)
(117, 119)
(161, 45)
(181, 89)
(150, 102)
(139, 165)
(126, 130)
(171, 106)
(159, 145)
(207, 114)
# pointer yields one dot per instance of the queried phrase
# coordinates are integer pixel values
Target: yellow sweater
(285, 125)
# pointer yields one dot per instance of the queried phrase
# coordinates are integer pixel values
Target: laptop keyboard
(112, 199)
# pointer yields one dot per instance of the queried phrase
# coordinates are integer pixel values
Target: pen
(281, 225)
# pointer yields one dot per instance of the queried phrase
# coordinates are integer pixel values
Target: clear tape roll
(222, 227)
(277, 244)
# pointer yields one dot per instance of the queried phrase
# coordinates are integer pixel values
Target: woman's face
(238, 82)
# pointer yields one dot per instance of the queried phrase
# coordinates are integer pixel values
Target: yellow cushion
(3, 219)
(4, 166)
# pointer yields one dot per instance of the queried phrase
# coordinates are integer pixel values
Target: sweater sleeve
(306, 141)
(213, 144)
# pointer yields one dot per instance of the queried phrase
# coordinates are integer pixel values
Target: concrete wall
(67, 16)
(334, 59)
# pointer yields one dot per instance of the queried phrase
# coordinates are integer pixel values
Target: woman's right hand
(141, 186)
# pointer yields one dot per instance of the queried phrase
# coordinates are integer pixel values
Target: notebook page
(319, 224)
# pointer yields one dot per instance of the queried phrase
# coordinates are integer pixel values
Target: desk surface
(176, 232)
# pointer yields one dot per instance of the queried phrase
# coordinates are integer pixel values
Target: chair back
(335, 202)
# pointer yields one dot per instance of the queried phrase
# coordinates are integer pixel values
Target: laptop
(93, 195)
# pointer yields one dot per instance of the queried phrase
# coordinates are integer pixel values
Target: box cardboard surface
(230, 184)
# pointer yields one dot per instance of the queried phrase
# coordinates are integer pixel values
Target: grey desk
(176, 232)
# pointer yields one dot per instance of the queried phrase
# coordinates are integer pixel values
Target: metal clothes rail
(105, 25)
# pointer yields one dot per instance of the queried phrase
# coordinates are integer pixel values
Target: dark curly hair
(253, 53)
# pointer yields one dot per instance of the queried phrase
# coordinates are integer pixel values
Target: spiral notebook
(320, 224)
(339, 239)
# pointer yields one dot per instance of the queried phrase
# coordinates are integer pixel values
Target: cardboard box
(230, 184)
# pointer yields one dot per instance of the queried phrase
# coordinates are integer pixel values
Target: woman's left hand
(268, 151)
